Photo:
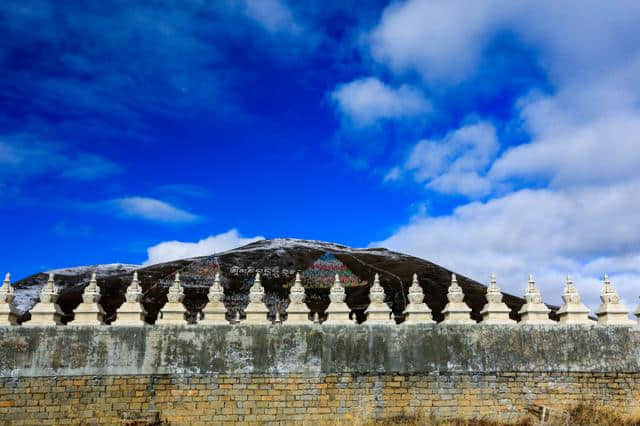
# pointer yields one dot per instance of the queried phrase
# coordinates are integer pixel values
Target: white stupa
(534, 311)
(89, 312)
(338, 311)
(215, 312)
(611, 310)
(417, 312)
(495, 311)
(573, 311)
(378, 312)
(456, 311)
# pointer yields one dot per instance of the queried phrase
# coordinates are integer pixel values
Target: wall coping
(316, 350)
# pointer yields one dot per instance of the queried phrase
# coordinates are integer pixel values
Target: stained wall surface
(182, 374)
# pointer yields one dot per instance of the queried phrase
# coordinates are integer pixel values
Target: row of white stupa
(495, 311)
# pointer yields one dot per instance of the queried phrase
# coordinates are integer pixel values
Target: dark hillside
(277, 260)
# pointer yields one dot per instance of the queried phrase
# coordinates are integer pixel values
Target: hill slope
(277, 260)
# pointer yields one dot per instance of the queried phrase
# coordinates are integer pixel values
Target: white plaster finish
(297, 311)
(337, 311)
(378, 312)
(456, 311)
(131, 312)
(534, 311)
(573, 311)
(417, 312)
(47, 311)
(8, 313)
(173, 312)
(495, 311)
(611, 310)
(256, 311)
(215, 311)
(89, 312)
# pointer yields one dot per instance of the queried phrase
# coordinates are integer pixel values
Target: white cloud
(470, 184)
(444, 39)
(173, 250)
(453, 164)
(273, 15)
(441, 39)
(581, 133)
(585, 232)
(367, 100)
(152, 209)
(582, 155)
(394, 174)
(574, 147)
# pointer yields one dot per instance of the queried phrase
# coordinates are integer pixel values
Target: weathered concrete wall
(186, 373)
(77, 350)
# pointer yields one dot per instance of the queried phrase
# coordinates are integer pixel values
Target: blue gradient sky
(485, 137)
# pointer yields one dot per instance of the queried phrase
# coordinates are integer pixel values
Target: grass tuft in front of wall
(582, 415)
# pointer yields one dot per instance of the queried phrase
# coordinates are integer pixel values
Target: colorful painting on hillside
(321, 273)
(199, 273)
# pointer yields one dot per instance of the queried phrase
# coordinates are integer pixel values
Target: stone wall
(190, 374)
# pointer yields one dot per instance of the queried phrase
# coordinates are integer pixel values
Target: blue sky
(487, 137)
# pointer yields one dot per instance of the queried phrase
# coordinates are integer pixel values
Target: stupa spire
(8, 312)
(47, 312)
(173, 312)
(417, 312)
(572, 311)
(456, 311)
(611, 310)
(215, 312)
(131, 312)
(338, 311)
(256, 311)
(534, 311)
(297, 311)
(378, 312)
(495, 311)
(89, 312)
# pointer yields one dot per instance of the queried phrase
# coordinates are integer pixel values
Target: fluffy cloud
(444, 40)
(585, 232)
(366, 100)
(273, 15)
(173, 250)
(152, 209)
(452, 164)
(579, 214)
(441, 39)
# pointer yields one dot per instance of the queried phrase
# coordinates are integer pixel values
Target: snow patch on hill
(100, 270)
(291, 243)
(25, 298)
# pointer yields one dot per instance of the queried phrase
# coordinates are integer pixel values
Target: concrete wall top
(314, 349)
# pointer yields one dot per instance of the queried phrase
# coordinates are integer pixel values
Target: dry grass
(583, 415)
(600, 416)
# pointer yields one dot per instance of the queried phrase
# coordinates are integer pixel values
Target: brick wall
(295, 397)
(187, 374)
